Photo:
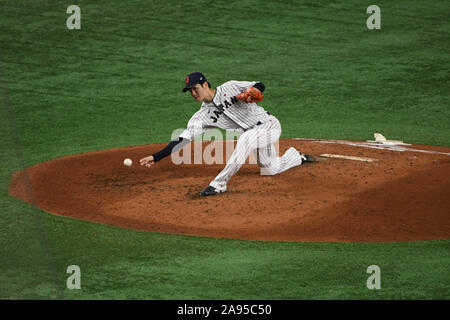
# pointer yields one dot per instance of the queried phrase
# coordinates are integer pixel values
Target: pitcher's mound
(403, 195)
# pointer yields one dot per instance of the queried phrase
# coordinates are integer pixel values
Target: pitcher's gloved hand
(251, 95)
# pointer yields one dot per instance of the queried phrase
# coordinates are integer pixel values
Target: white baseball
(127, 162)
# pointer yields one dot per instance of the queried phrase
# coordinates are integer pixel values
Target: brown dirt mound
(403, 196)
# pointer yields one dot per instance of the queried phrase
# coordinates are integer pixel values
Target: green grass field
(117, 82)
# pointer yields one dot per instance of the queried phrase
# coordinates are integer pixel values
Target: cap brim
(189, 86)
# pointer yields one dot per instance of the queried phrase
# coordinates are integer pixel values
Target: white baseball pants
(261, 137)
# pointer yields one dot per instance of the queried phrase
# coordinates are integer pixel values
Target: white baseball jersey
(226, 112)
(260, 131)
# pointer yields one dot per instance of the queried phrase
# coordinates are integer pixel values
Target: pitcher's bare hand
(147, 162)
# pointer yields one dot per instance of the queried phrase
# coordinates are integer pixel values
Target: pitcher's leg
(245, 144)
(271, 164)
(268, 158)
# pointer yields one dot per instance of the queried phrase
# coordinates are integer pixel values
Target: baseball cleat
(210, 191)
(307, 157)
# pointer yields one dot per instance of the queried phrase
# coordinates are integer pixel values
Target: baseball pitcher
(233, 106)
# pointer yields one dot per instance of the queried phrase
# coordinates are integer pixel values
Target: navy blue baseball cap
(192, 79)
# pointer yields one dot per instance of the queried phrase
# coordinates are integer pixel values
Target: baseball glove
(251, 95)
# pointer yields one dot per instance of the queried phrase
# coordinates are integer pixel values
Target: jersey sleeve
(242, 85)
(198, 124)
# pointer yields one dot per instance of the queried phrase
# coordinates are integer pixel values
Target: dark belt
(259, 122)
